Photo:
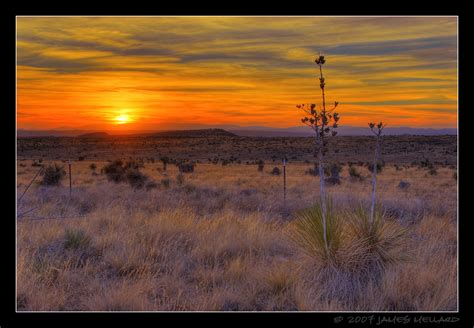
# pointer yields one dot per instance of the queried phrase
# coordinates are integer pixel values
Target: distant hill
(94, 135)
(49, 133)
(196, 133)
(235, 130)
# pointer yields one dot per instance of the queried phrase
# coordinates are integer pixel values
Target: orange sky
(154, 73)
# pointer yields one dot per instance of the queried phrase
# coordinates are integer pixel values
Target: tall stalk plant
(377, 131)
(323, 122)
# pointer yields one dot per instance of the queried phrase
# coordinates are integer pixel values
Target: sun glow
(122, 119)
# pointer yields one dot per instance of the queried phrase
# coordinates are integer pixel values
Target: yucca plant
(318, 238)
(382, 239)
(324, 122)
(378, 134)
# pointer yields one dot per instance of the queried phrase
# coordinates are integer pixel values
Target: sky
(120, 74)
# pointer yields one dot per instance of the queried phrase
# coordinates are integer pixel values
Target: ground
(220, 239)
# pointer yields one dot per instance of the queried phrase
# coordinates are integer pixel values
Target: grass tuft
(76, 239)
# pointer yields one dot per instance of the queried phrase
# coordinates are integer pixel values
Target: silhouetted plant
(134, 164)
(151, 185)
(354, 174)
(455, 176)
(135, 178)
(433, 171)
(189, 188)
(377, 131)
(276, 171)
(165, 182)
(379, 167)
(93, 167)
(115, 171)
(334, 178)
(324, 123)
(313, 171)
(186, 167)
(52, 175)
(426, 163)
(36, 164)
(261, 165)
(165, 160)
(403, 185)
(180, 179)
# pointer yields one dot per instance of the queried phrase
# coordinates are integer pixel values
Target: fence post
(70, 178)
(284, 182)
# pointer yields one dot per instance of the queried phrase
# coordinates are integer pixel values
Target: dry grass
(220, 242)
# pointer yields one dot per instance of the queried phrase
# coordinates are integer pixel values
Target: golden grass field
(220, 241)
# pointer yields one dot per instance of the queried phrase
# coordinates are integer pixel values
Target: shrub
(165, 160)
(313, 171)
(455, 175)
(186, 167)
(76, 239)
(327, 169)
(380, 165)
(80, 158)
(115, 171)
(432, 171)
(93, 167)
(308, 233)
(180, 179)
(135, 178)
(426, 163)
(261, 165)
(151, 185)
(403, 185)
(52, 175)
(133, 164)
(129, 172)
(354, 174)
(189, 188)
(165, 182)
(334, 178)
(276, 171)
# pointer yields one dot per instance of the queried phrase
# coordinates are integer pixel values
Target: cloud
(437, 48)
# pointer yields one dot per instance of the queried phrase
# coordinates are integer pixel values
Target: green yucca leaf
(383, 239)
(308, 232)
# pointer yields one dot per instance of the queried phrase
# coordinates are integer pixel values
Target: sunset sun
(122, 119)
